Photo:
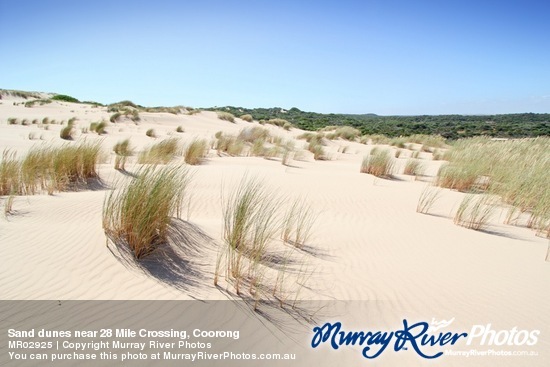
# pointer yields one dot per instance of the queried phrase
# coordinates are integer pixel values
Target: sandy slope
(369, 243)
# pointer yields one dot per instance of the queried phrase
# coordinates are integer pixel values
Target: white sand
(370, 242)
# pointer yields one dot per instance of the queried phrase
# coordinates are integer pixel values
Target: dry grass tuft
(195, 152)
(160, 153)
(226, 116)
(427, 199)
(475, 211)
(139, 214)
(414, 167)
(379, 163)
(123, 150)
(247, 118)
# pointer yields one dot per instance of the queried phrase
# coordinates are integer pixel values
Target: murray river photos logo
(425, 339)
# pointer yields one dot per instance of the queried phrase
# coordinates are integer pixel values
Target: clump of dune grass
(151, 133)
(258, 149)
(427, 199)
(10, 174)
(123, 150)
(253, 134)
(173, 110)
(378, 163)
(374, 139)
(438, 155)
(398, 142)
(249, 261)
(229, 144)
(193, 111)
(414, 167)
(315, 145)
(33, 136)
(59, 168)
(288, 153)
(343, 132)
(457, 177)
(195, 152)
(115, 117)
(160, 153)
(226, 116)
(309, 136)
(250, 222)
(8, 205)
(13, 121)
(428, 141)
(280, 123)
(317, 150)
(139, 214)
(67, 132)
(180, 129)
(298, 223)
(516, 171)
(475, 211)
(247, 118)
(98, 127)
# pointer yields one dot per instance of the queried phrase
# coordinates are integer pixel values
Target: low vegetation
(247, 118)
(226, 116)
(427, 199)
(195, 152)
(98, 127)
(123, 150)
(451, 127)
(64, 98)
(250, 259)
(160, 153)
(67, 132)
(139, 214)
(378, 163)
(516, 171)
(229, 144)
(342, 132)
(475, 211)
(49, 169)
(414, 167)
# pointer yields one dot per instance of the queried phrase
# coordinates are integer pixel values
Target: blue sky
(385, 57)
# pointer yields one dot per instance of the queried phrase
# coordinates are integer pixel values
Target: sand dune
(369, 242)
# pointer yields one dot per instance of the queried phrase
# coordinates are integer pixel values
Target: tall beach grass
(378, 163)
(516, 171)
(139, 214)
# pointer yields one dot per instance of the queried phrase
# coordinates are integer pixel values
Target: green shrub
(65, 98)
